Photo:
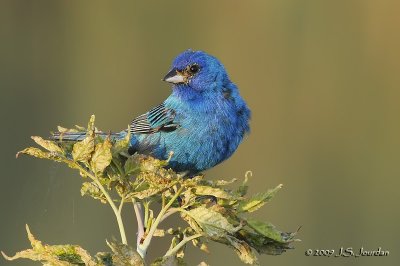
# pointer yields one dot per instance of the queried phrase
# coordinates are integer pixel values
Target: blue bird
(202, 122)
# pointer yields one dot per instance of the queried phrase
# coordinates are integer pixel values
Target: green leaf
(131, 166)
(82, 150)
(122, 144)
(211, 222)
(266, 229)
(47, 144)
(211, 191)
(101, 157)
(257, 201)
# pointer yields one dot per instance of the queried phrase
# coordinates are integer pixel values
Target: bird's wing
(160, 118)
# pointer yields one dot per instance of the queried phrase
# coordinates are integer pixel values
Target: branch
(110, 201)
(143, 247)
(137, 206)
(181, 244)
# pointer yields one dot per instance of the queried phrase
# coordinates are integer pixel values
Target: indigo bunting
(202, 122)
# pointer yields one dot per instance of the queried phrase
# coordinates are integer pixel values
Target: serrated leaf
(47, 144)
(257, 201)
(211, 222)
(266, 229)
(82, 150)
(211, 191)
(101, 157)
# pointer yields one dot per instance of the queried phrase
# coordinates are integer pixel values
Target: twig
(169, 213)
(121, 204)
(144, 246)
(110, 201)
(137, 206)
(181, 244)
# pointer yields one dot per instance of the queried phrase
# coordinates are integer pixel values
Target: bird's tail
(78, 136)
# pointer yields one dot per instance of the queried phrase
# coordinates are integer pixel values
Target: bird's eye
(193, 69)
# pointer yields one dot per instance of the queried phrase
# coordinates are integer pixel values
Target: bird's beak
(174, 76)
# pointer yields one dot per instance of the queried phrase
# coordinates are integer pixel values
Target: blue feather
(202, 122)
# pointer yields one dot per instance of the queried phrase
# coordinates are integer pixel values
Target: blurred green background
(321, 77)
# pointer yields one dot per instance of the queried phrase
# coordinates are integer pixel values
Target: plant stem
(144, 246)
(117, 211)
(137, 206)
(169, 213)
(181, 244)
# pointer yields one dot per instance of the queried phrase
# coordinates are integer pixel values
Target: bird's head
(196, 70)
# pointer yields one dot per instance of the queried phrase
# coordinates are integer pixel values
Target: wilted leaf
(80, 128)
(58, 255)
(101, 157)
(211, 222)
(266, 229)
(243, 250)
(38, 153)
(242, 189)
(204, 248)
(65, 130)
(144, 193)
(169, 261)
(225, 182)
(82, 150)
(211, 191)
(148, 163)
(90, 126)
(263, 244)
(159, 232)
(125, 255)
(47, 144)
(91, 189)
(257, 201)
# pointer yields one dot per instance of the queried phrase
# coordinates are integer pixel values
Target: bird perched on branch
(202, 122)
